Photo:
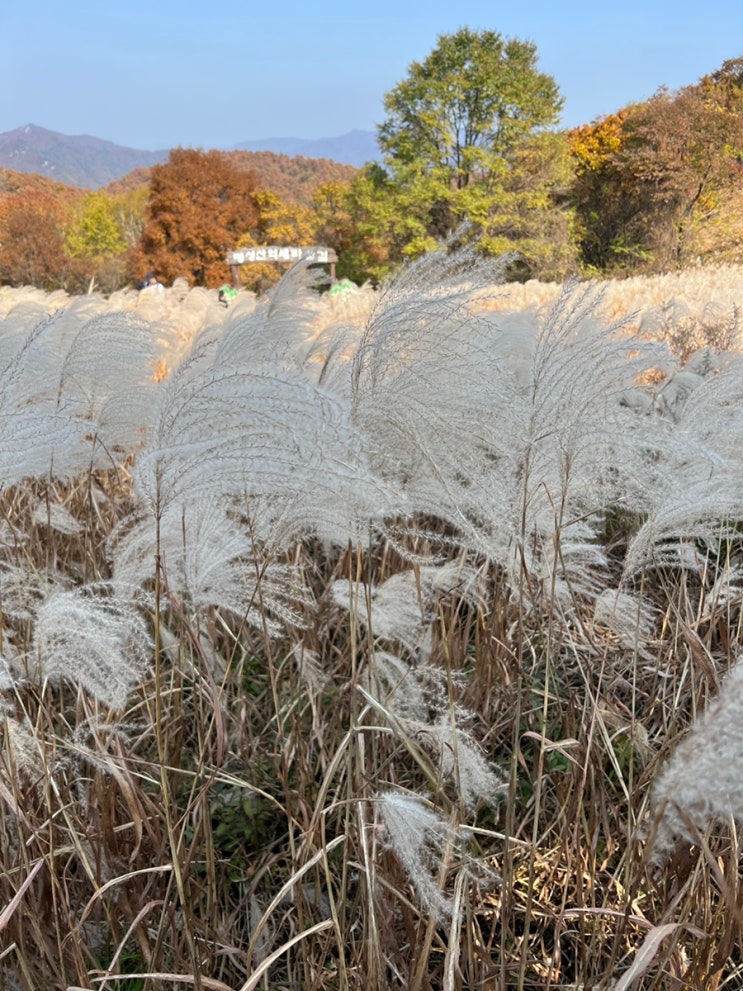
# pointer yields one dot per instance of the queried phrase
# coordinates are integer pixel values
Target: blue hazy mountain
(90, 162)
(355, 148)
(77, 160)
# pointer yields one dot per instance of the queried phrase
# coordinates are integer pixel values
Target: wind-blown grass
(355, 645)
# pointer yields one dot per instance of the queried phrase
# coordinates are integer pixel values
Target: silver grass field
(383, 640)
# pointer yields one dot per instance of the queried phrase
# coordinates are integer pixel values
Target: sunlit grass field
(382, 640)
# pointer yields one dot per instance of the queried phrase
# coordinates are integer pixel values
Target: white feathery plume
(395, 684)
(38, 436)
(209, 559)
(58, 325)
(327, 358)
(726, 590)
(626, 616)
(7, 681)
(109, 373)
(403, 606)
(266, 432)
(19, 748)
(22, 311)
(278, 328)
(698, 475)
(23, 590)
(701, 783)
(460, 759)
(93, 639)
(181, 313)
(67, 369)
(419, 838)
(508, 427)
(398, 688)
(581, 451)
(56, 517)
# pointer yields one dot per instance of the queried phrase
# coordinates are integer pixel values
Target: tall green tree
(467, 139)
(372, 223)
(462, 111)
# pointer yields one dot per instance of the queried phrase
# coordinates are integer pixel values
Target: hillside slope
(78, 160)
(355, 148)
(90, 162)
(294, 179)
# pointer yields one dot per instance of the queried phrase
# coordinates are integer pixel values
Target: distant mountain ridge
(90, 162)
(77, 160)
(355, 148)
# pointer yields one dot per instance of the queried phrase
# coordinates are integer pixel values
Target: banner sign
(315, 255)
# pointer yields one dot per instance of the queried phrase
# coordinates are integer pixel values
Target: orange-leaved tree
(200, 204)
(683, 152)
(655, 179)
(33, 224)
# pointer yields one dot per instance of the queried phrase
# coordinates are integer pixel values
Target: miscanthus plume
(209, 555)
(429, 848)
(695, 497)
(95, 639)
(512, 428)
(422, 841)
(403, 607)
(701, 783)
(260, 435)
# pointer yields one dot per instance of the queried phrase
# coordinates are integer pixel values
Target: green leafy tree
(372, 223)
(462, 111)
(466, 139)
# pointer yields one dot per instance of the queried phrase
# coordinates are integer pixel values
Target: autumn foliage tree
(372, 223)
(282, 222)
(334, 222)
(649, 180)
(682, 152)
(200, 204)
(607, 210)
(96, 240)
(32, 240)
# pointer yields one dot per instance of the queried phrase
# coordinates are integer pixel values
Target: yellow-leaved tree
(280, 222)
(96, 239)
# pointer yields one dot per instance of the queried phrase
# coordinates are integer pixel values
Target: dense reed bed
(386, 640)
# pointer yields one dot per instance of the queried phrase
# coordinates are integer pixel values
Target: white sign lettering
(315, 254)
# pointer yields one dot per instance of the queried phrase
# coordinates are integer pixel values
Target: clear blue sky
(164, 73)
